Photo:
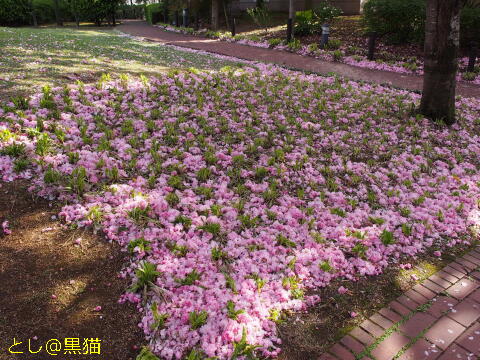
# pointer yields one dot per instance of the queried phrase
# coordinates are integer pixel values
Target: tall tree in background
(442, 37)
(215, 8)
(56, 8)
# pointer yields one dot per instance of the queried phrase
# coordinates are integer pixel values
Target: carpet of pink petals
(245, 190)
(413, 66)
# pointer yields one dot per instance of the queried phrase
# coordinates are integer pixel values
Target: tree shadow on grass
(36, 57)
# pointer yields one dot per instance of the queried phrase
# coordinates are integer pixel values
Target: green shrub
(294, 45)
(470, 22)
(154, 12)
(274, 42)
(15, 12)
(305, 23)
(400, 21)
(261, 16)
(310, 21)
(403, 21)
(326, 12)
(333, 44)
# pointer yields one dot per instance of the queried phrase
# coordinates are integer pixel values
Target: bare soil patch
(50, 285)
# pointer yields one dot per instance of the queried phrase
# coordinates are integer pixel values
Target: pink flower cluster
(238, 193)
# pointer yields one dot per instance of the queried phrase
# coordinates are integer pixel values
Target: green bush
(310, 21)
(470, 22)
(400, 21)
(15, 12)
(261, 16)
(126, 11)
(154, 13)
(305, 23)
(44, 11)
(325, 12)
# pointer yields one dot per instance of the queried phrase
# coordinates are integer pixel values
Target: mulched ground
(50, 285)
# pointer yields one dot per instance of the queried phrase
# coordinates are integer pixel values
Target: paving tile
(433, 286)
(417, 297)
(390, 315)
(454, 272)
(372, 328)
(362, 336)
(380, 320)
(399, 308)
(472, 259)
(466, 264)
(421, 350)
(340, 352)
(407, 302)
(470, 339)
(416, 324)
(462, 288)
(475, 275)
(465, 312)
(352, 344)
(458, 267)
(444, 332)
(440, 305)
(389, 347)
(475, 253)
(444, 284)
(424, 291)
(327, 356)
(455, 352)
(475, 296)
(446, 276)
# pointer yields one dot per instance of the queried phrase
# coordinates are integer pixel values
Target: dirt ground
(53, 278)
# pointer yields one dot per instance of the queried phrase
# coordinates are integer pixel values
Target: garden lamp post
(372, 37)
(234, 30)
(472, 56)
(185, 17)
(325, 35)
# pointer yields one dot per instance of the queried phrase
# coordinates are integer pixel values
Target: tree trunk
(215, 7)
(442, 30)
(34, 16)
(56, 8)
(225, 13)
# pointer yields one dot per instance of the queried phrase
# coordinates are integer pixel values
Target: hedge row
(402, 21)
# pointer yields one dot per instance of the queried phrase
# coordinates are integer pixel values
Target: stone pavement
(438, 318)
(283, 58)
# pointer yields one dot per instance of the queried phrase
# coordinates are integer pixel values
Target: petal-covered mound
(236, 192)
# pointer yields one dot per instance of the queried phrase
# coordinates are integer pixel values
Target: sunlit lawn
(31, 58)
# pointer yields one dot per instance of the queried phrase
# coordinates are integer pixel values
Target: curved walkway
(283, 58)
(438, 318)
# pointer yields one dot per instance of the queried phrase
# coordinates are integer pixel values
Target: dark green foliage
(400, 21)
(403, 21)
(15, 12)
(310, 21)
(470, 22)
(154, 12)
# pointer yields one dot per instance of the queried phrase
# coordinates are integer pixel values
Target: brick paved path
(411, 82)
(436, 319)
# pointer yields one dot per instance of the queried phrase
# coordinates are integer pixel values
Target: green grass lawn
(32, 58)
